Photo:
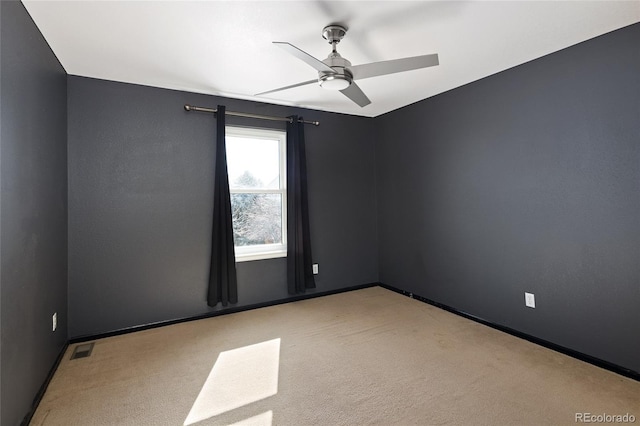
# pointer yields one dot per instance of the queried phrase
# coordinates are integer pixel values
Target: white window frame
(264, 251)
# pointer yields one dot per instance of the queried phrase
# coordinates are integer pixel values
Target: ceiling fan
(337, 73)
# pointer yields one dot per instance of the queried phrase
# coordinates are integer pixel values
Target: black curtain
(222, 274)
(299, 269)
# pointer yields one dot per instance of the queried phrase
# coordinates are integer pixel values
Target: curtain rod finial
(187, 107)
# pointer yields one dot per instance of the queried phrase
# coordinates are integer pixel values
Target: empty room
(319, 212)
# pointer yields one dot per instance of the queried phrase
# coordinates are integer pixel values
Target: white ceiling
(224, 47)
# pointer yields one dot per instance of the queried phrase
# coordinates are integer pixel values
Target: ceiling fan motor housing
(341, 78)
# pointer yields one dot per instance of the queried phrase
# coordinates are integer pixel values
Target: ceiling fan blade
(304, 56)
(356, 94)
(375, 69)
(304, 83)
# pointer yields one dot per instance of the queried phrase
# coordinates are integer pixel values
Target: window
(256, 165)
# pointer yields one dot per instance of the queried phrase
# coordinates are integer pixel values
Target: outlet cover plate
(530, 300)
(315, 269)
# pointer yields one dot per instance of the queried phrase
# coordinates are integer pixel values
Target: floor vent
(82, 351)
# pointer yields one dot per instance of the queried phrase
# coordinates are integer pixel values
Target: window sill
(246, 257)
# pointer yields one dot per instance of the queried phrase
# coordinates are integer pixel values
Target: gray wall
(1, 25)
(528, 180)
(33, 210)
(140, 202)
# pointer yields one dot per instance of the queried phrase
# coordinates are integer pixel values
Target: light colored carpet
(358, 358)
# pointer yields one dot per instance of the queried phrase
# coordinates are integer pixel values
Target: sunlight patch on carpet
(264, 419)
(238, 378)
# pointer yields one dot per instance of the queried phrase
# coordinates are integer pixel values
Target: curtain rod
(247, 115)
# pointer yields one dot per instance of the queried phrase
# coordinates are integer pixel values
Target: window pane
(253, 163)
(257, 219)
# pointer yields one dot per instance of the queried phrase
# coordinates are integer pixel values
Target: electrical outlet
(315, 269)
(54, 321)
(529, 300)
